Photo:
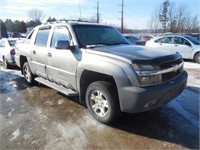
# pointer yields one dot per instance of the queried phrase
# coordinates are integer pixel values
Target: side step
(57, 87)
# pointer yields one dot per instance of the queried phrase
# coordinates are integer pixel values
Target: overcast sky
(136, 12)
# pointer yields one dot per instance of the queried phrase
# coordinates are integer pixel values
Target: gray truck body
(76, 67)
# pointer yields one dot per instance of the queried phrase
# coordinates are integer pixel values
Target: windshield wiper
(96, 45)
(119, 43)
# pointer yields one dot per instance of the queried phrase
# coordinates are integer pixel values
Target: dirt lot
(39, 117)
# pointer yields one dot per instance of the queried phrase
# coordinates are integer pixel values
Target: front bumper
(138, 99)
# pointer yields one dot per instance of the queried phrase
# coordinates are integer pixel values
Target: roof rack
(66, 21)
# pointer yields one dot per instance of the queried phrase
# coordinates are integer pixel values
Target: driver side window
(60, 33)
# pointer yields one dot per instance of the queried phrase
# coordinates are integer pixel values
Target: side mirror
(62, 44)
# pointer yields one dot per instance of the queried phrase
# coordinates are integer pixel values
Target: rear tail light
(12, 51)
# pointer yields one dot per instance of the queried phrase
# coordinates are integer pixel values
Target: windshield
(12, 42)
(98, 35)
(193, 40)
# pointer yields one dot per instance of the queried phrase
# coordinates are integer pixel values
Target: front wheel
(197, 57)
(102, 102)
(28, 74)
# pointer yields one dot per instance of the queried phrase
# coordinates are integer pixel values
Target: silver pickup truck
(99, 65)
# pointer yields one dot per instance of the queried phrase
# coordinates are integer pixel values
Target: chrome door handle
(34, 52)
(49, 54)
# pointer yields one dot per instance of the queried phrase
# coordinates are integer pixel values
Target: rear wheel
(197, 57)
(102, 102)
(7, 65)
(28, 74)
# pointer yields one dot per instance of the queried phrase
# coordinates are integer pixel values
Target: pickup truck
(97, 63)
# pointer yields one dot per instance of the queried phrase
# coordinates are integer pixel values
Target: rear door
(62, 63)
(39, 51)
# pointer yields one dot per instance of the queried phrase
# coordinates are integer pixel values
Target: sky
(137, 13)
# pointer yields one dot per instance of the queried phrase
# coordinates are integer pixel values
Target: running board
(57, 87)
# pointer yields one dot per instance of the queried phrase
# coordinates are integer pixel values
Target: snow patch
(9, 99)
(15, 134)
(49, 103)
(175, 105)
(1, 118)
(9, 114)
(61, 101)
(72, 133)
(191, 65)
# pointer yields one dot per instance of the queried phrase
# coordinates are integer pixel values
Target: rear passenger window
(42, 37)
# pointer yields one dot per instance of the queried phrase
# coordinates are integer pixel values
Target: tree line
(175, 18)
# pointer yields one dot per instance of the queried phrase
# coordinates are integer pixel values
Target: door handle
(34, 52)
(175, 45)
(160, 43)
(49, 54)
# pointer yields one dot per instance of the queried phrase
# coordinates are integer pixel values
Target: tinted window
(166, 40)
(60, 33)
(12, 42)
(97, 34)
(193, 40)
(42, 37)
(182, 41)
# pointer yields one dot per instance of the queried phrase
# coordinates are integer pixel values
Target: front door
(61, 63)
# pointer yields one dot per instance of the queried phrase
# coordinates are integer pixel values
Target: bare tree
(172, 17)
(181, 15)
(180, 19)
(36, 14)
(154, 22)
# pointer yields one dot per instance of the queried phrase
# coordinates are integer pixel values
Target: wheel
(7, 65)
(28, 74)
(101, 103)
(197, 57)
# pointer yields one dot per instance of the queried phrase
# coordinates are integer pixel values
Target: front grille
(170, 64)
(170, 75)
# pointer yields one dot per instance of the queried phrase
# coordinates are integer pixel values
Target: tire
(197, 58)
(100, 102)
(28, 74)
(7, 65)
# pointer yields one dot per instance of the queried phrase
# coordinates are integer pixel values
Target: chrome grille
(170, 75)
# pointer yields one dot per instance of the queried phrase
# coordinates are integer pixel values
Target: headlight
(146, 74)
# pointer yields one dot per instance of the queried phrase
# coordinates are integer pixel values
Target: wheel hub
(99, 103)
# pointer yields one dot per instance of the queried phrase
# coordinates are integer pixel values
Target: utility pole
(122, 17)
(97, 11)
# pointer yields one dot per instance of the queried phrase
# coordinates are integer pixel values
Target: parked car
(146, 37)
(15, 35)
(186, 45)
(7, 51)
(134, 40)
(104, 69)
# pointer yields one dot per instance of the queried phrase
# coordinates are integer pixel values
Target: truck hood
(136, 53)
